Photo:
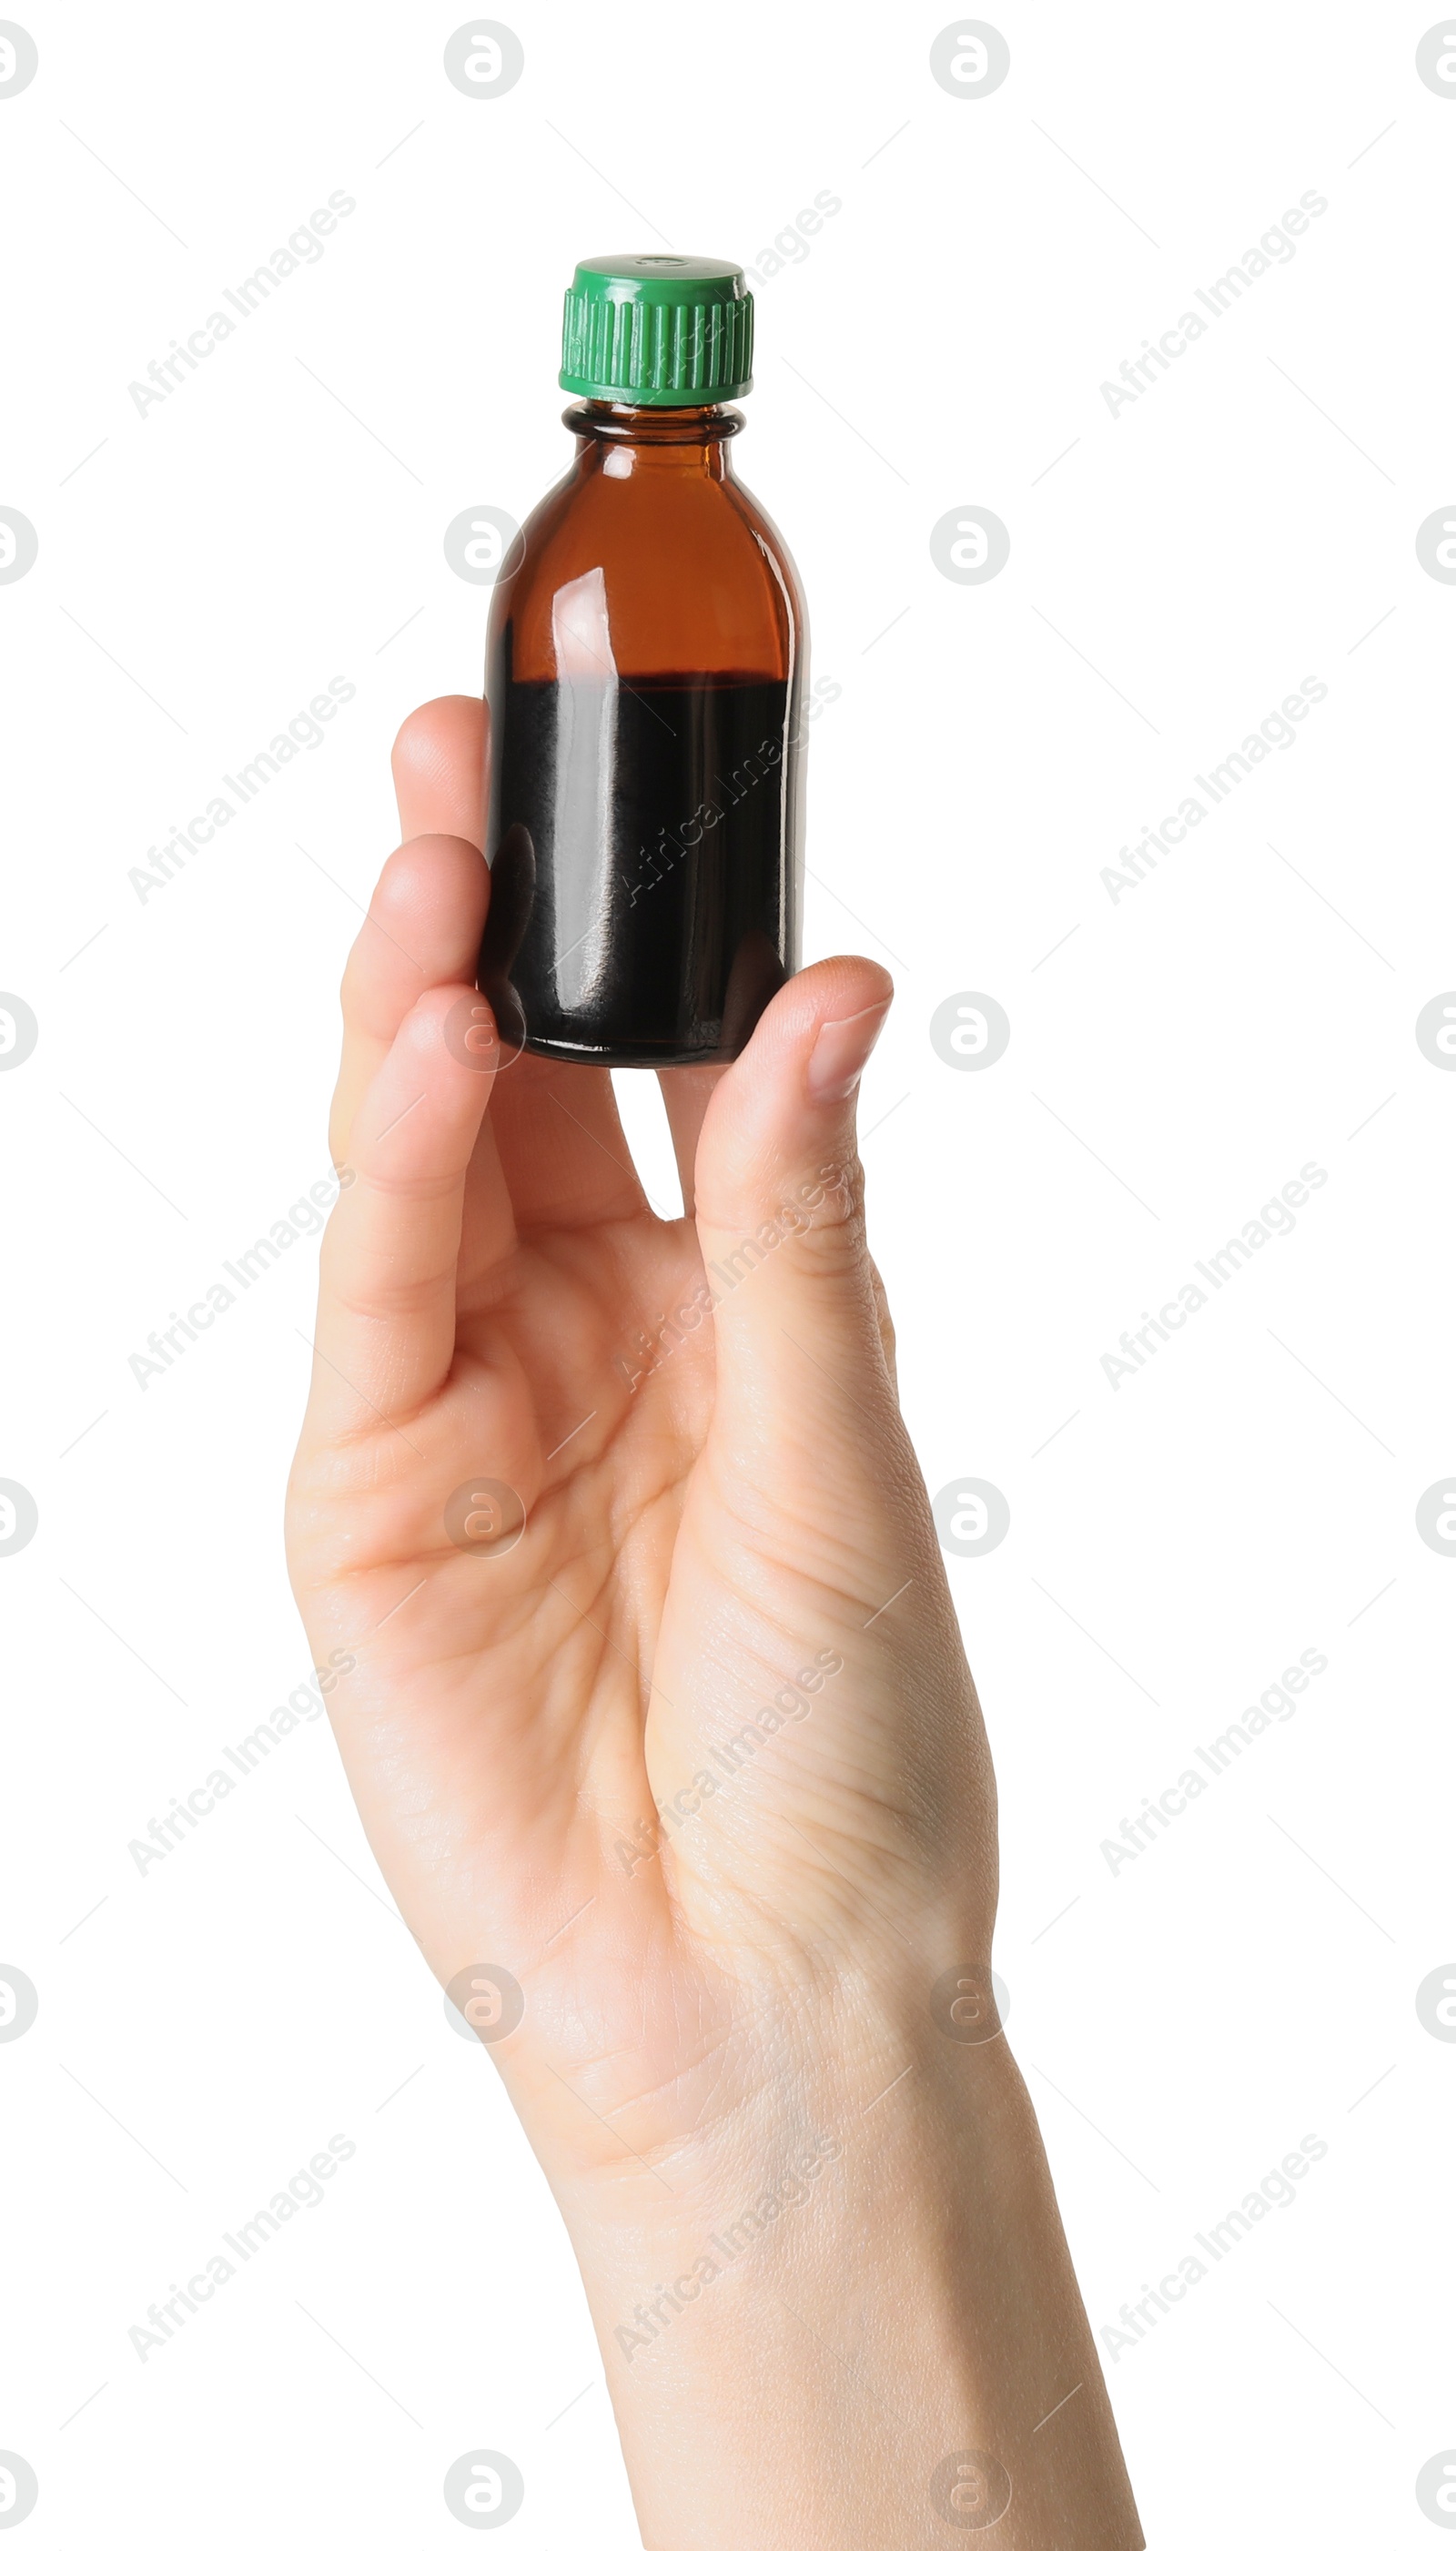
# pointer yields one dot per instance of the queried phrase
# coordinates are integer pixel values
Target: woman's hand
(718, 1497)
(660, 1712)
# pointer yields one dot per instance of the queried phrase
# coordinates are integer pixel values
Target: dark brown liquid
(643, 864)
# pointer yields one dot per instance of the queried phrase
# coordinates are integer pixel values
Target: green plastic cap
(658, 331)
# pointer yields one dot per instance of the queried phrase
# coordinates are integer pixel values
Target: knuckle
(409, 1187)
(835, 1229)
(818, 1220)
(384, 1298)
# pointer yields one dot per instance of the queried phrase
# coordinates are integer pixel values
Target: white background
(1176, 1056)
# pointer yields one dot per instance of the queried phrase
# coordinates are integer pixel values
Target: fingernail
(841, 1050)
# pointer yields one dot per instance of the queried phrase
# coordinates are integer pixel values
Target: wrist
(853, 2316)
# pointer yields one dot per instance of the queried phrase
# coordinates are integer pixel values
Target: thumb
(780, 1203)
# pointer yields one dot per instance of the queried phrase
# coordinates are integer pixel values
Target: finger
(423, 928)
(554, 1127)
(563, 1151)
(439, 767)
(779, 1211)
(686, 1097)
(390, 1253)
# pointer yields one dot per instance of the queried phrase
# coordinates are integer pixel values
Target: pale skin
(732, 1954)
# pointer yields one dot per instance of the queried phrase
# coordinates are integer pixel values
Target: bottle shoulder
(683, 572)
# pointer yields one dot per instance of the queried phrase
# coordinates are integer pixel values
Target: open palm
(657, 1706)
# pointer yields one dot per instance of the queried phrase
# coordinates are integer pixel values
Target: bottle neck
(620, 441)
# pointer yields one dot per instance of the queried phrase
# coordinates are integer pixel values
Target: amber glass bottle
(645, 671)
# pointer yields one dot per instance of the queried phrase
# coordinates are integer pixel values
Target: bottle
(645, 670)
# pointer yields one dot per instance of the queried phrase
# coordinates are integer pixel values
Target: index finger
(423, 910)
(423, 928)
(439, 767)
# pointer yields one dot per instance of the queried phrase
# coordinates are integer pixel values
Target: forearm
(860, 2329)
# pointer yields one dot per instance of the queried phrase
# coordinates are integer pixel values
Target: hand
(707, 1518)
(673, 1724)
